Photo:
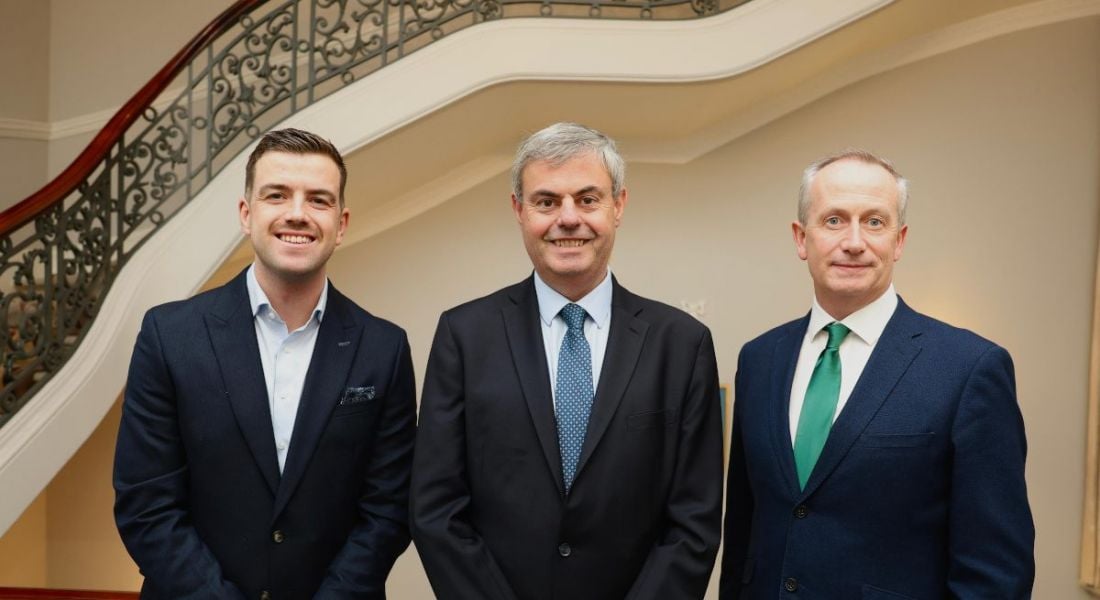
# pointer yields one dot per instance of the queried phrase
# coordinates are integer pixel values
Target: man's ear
(244, 211)
(799, 233)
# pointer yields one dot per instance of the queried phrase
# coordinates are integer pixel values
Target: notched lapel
(895, 351)
(624, 346)
(329, 368)
(521, 326)
(233, 337)
(783, 361)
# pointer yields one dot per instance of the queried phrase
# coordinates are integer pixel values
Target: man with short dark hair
(268, 424)
(570, 435)
(875, 452)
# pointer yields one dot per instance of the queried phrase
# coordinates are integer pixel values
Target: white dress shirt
(596, 303)
(865, 325)
(285, 356)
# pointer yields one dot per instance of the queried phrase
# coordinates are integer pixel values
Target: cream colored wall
(102, 52)
(1002, 143)
(23, 548)
(24, 57)
(83, 548)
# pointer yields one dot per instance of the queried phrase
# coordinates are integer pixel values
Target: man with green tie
(875, 453)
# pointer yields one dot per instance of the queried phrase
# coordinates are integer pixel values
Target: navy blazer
(200, 502)
(490, 517)
(919, 492)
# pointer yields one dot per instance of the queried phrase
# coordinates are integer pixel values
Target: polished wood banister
(7, 593)
(64, 184)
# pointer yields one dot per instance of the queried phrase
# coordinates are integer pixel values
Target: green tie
(817, 410)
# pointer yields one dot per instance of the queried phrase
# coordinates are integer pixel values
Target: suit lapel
(892, 356)
(521, 325)
(784, 359)
(233, 336)
(337, 342)
(624, 345)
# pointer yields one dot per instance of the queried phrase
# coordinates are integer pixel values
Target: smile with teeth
(569, 243)
(292, 238)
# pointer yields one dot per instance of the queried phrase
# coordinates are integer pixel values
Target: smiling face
(568, 216)
(852, 236)
(293, 216)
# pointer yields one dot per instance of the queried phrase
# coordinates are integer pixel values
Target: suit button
(278, 536)
(801, 511)
(790, 584)
(564, 549)
(265, 595)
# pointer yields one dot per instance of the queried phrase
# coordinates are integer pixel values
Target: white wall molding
(41, 437)
(689, 148)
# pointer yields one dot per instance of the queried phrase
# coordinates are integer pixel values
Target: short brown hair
(294, 141)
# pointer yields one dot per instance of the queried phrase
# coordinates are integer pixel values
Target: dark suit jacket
(489, 514)
(919, 491)
(200, 503)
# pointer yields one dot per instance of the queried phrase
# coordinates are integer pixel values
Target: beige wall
(23, 548)
(1002, 143)
(24, 94)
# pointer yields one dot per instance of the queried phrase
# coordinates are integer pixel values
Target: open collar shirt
(285, 356)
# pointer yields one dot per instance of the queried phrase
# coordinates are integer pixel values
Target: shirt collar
(868, 322)
(596, 303)
(257, 299)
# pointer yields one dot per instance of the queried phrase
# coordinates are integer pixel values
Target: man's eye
(875, 222)
(590, 200)
(544, 203)
(832, 221)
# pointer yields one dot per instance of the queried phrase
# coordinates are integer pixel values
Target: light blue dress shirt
(596, 325)
(285, 356)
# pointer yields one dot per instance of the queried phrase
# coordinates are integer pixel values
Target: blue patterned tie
(574, 391)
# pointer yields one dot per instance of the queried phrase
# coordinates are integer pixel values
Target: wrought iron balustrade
(257, 63)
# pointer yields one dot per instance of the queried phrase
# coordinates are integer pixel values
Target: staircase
(144, 214)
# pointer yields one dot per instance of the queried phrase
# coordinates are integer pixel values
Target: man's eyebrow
(588, 189)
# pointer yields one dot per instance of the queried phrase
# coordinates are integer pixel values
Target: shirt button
(564, 550)
(278, 536)
(790, 584)
(801, 511)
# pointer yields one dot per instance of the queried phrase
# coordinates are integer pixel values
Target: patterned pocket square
(355, 395)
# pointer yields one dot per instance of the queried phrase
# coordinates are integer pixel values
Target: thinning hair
(560, 142)
(864, 156)
(294, 141)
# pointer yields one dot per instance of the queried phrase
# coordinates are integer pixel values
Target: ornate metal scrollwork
(56, 269)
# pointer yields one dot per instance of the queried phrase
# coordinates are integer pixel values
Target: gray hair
(860, 155)
(562, 141)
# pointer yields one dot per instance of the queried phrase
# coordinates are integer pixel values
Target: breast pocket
(651, 419)
(896, 440)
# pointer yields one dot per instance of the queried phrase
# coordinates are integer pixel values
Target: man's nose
(568, 216)
(853, 241)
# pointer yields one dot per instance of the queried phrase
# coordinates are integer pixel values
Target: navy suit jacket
(490, 517)
(919, 492)
(200, 502)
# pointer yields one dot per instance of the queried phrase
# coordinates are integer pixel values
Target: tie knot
(837, 332)
(574, 316)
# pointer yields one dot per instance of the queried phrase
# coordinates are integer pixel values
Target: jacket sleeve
(991, 533)
(679, 565)
(151, 479)
(360, 569)
(458, 563)
(739, 505)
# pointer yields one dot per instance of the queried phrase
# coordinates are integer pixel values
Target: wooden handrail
(57, 190)
(7, 593)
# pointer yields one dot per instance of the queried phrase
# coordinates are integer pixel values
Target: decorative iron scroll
(262, 62)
